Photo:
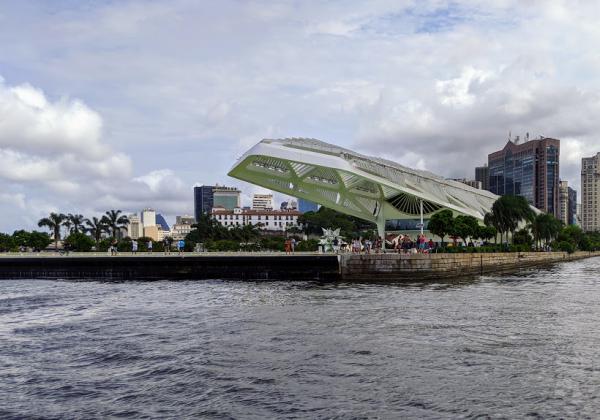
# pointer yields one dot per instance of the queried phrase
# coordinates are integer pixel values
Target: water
(507, 346)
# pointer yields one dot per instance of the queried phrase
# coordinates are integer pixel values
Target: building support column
(421, 207)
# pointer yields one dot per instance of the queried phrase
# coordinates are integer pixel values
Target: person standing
(150, 246)
(293, 244)
(167, 245)
(134, 246)
(180, 246)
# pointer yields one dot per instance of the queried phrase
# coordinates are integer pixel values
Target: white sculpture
(329, 235)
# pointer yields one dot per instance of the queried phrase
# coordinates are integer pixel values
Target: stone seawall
(389, 266)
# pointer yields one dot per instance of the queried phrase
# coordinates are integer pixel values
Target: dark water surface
(507, 347)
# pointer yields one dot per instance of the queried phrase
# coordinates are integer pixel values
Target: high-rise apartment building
(590, 193)
(262, 202)
(563, 202)
(148, 217)
(572, 206)
(529, 169)
(226, 197)
(203, 200)
(482, 174)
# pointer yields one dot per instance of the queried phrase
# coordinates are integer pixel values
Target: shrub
(566, 246)
(78, 242)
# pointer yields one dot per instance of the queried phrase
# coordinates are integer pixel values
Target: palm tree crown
(95, 227)
(53, 222)
(115, 221)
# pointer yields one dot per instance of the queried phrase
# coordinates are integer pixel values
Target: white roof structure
(369, 188)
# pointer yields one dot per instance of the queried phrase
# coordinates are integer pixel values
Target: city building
(182, 226)
(203, 200)
(306, 205)
(529, 169)
(135, 228)
(271, 220)
(262, 202)
(160, 221)
(482, 174)
(572, 206)
(148, 218)
(226, 197)
(370, 188)
(590, 193)
(152, 232)
(470, 182)
(563, 200)
(578, 215)
(185, 220)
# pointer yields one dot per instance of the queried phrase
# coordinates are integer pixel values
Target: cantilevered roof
(367, 187)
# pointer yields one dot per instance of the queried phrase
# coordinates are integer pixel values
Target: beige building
(590, 193)
(563, 202)
(262, 202)
(135, 229)
(226, 197)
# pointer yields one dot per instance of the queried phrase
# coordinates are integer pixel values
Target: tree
(76, 221)
(115, 221)
(545, 226)
(464, 227)
(314, 222)
(7, 243)
(522, 237)
(507, 212)
(486, 232)
(53, 223)
(78, 241)
(95, 228)
(441, 224)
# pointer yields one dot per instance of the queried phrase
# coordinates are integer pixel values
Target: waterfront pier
(272, 266)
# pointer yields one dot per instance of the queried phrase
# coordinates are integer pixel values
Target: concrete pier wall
(241, 266)
(227, 267)
(434, 266)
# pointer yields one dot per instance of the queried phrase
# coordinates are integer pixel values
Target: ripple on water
(495, 346)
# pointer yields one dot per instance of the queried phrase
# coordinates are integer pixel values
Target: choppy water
(510, 346)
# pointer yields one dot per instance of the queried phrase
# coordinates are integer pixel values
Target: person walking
(150, 246)
(287, 246)
(293, 244)
(113, 247)
(167, 245)
(134, 247)
(180, 246)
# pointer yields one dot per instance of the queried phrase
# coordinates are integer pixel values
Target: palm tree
(114, 220)
(53, 222)
(76, 222)
(95, 227)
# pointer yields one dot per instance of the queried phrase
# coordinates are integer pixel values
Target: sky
(129, 104)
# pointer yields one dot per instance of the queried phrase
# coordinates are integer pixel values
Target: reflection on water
(505, 346)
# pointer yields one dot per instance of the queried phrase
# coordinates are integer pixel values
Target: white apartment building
(272, 220)
(590, 193)
(148, 217)
(262, 202)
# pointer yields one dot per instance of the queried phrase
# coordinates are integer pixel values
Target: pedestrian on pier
(150, 246)
(293, 244)
(287, 246)
(134, 246)
(180, 246)
(167, 245)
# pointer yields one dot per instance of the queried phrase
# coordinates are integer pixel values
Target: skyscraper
(482, 174)
(203, 200)
(590, 193)
(572, 206)
(529, 169)
(563, 199)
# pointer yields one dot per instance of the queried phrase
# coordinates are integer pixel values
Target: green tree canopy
(441, 223)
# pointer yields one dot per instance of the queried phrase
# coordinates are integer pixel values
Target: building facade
(226, 197)
(529, 169)
(148, 217)
(306, 206)
(470, 182)
(135, 228)
(272, 220)
(203, 200)
(572, 212)
(563, 202)
(262, 202)
(590, 193)
(482, 174)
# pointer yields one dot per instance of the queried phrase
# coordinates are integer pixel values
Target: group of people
(289, 245)
(358, 245)
(420, 244)
(167, 246)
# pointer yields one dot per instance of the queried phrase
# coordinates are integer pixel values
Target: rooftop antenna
(509, 135)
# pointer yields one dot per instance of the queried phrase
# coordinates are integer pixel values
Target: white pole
(421, 206)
